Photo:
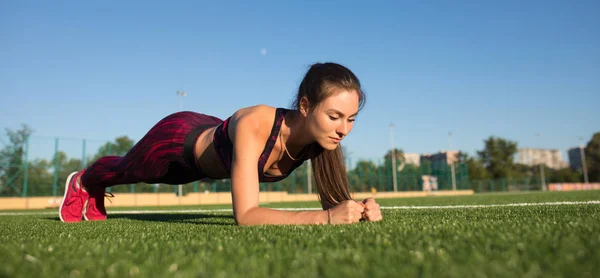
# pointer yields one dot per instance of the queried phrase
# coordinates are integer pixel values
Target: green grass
(532, 241)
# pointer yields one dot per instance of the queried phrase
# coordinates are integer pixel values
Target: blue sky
(477, 68)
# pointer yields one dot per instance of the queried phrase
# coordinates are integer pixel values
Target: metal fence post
(360, 182)
(293, 186)
(25, 167)
(55, 181)
(83, 164)
(379, 179)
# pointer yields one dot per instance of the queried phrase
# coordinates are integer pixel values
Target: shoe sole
(65, 196)
(85, 216)
(85, 211)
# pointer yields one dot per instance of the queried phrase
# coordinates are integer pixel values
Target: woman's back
(216, 143)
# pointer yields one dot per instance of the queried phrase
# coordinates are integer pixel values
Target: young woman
(255, 144)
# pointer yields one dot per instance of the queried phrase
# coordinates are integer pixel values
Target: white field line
(595, 202)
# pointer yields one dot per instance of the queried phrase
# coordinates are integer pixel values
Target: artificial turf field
(537, 234)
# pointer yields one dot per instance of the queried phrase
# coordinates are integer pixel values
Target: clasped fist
(352, 211)
(372, 211)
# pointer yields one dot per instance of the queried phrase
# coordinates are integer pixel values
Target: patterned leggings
(164, 155)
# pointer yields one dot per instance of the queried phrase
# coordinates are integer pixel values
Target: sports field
(539, 234)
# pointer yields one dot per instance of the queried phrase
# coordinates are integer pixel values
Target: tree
(462, 157)
(363, 176)
(120, 147)
(563, 175)
(399, 156)
(475, 166)
(39, 178)
(592, 158)
(525, 171)
(497, 157)
(11, 161)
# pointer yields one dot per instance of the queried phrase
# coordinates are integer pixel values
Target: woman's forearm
(267, 216)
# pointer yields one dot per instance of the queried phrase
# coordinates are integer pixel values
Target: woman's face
(332, 119)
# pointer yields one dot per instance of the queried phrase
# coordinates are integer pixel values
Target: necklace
(285, 148)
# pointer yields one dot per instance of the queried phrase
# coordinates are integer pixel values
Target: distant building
(574, 158)
(445, 156)
(412, 158)
(550, 157)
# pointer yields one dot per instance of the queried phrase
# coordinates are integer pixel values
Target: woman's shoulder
(257, 119)
(257, 112)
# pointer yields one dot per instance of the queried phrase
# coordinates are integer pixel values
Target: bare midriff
(210, 164)
(206, 156)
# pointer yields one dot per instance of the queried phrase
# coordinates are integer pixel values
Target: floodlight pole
(308, 176)
(542, 175)
(180, 95)
(395, 182)
(451, 161)
(584, 167)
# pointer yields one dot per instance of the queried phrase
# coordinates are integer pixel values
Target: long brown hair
(328, 166)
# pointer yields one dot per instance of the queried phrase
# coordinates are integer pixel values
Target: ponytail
(330, 177)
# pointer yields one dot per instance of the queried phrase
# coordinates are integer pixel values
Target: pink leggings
(164, 155)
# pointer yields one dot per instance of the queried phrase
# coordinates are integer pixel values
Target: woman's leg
(157, 158)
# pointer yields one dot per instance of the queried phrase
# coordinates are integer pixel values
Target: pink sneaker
(71, 208)
(94, 209)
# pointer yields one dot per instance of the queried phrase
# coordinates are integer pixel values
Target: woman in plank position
(187, 146)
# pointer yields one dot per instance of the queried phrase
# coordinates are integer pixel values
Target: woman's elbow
(243, 219)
